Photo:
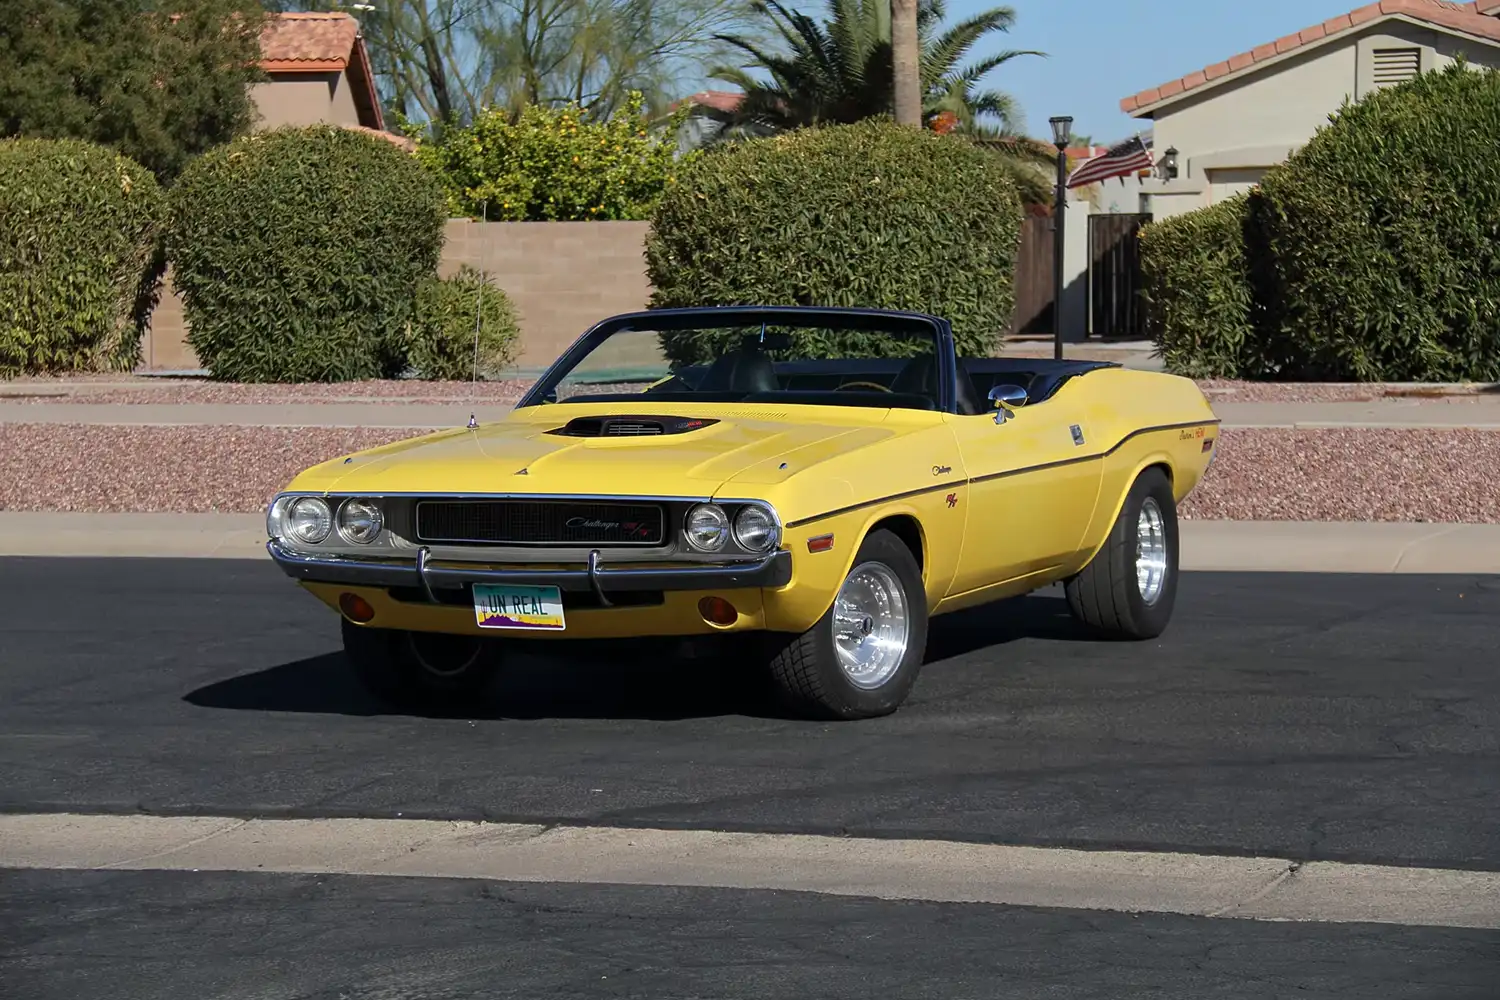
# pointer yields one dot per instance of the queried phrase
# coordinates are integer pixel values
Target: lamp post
(1062, 132)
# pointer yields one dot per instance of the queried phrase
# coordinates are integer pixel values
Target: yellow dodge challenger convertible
(816, 483)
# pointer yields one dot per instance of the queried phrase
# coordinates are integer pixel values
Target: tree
(158, 80)
(442, 61)
(842, 69)
(906, 56)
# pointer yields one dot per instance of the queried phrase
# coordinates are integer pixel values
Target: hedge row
(1372, 254)
(79, 260)
(870, 214)
(1200, 308)
(298, 253)
(309, 254)
(301, 254)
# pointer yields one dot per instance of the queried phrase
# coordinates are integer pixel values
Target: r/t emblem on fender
(952, 499)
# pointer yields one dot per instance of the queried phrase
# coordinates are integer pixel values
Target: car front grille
(540, 522)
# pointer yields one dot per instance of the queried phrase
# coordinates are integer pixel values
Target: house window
(1396, 65)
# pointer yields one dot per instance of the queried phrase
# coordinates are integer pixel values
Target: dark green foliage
(298, 253)
(1384, 237)
(870, 214)
(80, 231)
(440, 340)
(1201, 310)
(158, 82)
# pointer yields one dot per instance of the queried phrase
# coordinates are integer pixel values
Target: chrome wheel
(443, 655)
(1150, 551)
(870, 625)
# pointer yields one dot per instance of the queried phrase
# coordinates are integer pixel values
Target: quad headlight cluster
(753, 528)
(311, 520)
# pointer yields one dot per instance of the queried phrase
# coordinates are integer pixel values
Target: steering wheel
(862, 385)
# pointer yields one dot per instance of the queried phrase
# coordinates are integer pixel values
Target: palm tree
(841, 69)
(906, 61)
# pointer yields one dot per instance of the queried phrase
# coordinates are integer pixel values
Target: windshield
(771, 362)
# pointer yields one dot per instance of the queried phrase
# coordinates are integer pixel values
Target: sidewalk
(1238, 546)
(1478, 412)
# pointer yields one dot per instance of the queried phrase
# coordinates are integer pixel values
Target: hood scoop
(633, 425)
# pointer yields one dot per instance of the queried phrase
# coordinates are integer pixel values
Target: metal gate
(1115, 307)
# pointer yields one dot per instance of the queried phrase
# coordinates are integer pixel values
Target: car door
(1033, 482)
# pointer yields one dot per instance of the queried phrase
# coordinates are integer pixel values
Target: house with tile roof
(319, 71)
(1219, 129)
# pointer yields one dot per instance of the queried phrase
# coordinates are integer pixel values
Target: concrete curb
(1223, 546)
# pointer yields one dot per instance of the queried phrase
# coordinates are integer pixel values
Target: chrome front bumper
(774, 570)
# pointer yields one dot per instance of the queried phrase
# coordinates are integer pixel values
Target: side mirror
(1005, 399)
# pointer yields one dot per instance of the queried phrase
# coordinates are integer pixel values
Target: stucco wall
(1228, 135)
(561, 276)
(304, 99)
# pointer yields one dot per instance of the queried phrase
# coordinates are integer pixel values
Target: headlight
(360, 521)
(707, 527)
(309, 520)
(755, 529)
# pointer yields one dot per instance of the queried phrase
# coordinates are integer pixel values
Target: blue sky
(1102, 50)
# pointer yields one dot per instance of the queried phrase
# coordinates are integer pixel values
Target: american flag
(1121, 160)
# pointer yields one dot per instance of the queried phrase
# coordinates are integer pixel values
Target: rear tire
(420, 671)
(862, 657)
(1128, 590)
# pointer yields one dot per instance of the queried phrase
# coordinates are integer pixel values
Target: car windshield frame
(718, 317)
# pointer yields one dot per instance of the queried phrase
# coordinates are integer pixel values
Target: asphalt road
(136, 935)
(1321, 718)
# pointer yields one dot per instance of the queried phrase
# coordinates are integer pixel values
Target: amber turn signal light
(356, 608)
(717, 611)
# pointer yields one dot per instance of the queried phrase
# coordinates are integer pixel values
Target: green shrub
(298, 253)
(440, 342)
(1384, 236)
(552, 165)
(870, 214)
(79, 256)
(1201, 309)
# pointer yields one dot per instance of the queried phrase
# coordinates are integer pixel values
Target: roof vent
(1397, 65)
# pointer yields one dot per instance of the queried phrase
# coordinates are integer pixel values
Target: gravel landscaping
(116, 389)
(1260, 474)
(1224, 391)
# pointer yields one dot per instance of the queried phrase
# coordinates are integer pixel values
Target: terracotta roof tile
(1474, 18)
(323, 43)
(308, 38)
(723, 101)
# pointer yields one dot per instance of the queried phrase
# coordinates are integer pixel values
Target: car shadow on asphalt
(627, 683)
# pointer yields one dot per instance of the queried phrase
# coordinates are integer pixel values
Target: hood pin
(472, 422)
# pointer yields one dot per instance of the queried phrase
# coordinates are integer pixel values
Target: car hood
(521, 454)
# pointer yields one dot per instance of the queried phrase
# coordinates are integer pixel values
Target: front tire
(862, 657)
(1128, 590)
(420, 671)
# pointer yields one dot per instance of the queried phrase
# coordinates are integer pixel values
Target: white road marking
(941, 871)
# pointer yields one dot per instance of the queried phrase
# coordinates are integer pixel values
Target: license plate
(498, 606)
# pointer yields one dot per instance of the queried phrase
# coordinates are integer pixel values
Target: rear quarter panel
(1140, 419)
